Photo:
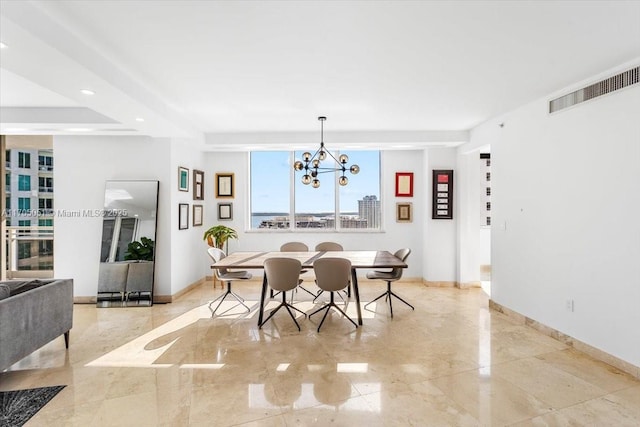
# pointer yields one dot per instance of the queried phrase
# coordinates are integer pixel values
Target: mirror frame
(114, 275)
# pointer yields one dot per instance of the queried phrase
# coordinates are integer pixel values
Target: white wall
(565, 202)
(188, 257)
(82, 165)
(440, 241)
(395, 235)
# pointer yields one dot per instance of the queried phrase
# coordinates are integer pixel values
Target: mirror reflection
(127, 251)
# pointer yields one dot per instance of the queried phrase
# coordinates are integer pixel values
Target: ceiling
(246, 74)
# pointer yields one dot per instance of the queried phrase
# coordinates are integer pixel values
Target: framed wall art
(224, 185)
(404, 184)
(197, 215)
(183, 179)
(442, 194)
(183, 216)
(198, 185)
(404, 212)
(225, 211)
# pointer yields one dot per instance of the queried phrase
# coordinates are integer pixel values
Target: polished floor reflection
(451, 362)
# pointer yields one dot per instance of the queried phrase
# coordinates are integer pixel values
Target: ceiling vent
(619, 81)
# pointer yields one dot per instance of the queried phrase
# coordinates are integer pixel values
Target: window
(45, 184)
(7, 203)
(24, 203)
(45, 205)
(24, 250)
(45, 163)
(356, 205)
(24, 223)
(24, 183)
(24, 160)
(46, 222)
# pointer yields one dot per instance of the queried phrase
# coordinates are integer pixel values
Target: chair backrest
(282, 273)
(294, 247)
(216, 255)
(329, 246)
(403, 253)
(332, 274)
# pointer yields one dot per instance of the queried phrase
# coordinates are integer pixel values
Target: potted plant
(141, 251)
(218, 235)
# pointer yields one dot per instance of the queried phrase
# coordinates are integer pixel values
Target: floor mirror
(128, 246)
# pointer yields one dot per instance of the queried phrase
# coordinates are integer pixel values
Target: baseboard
(165, 299)
(450, 284)
(439, 284)
(85, 300)
(469, 285)
(567, 340)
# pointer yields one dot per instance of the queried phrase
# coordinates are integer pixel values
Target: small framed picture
(404, 212)
(404, 184)
(183, 179)
(198, 185)
(225, 211)
(183, 216)
(197, 215)
(224, 185)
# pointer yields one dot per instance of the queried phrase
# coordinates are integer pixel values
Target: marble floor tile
(556, 387)
(451, 362)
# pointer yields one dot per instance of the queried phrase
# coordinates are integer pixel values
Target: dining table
(359, 260)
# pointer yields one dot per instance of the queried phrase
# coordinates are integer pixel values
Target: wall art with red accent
(442, 194)
(404, 184)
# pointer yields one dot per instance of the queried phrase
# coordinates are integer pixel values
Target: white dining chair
(226, 276)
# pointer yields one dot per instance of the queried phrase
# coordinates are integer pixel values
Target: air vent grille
(619, 81)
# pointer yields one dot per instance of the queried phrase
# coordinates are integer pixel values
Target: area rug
(17, 406)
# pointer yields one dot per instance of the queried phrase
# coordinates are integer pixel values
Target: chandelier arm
(334, 159)
(325, 170)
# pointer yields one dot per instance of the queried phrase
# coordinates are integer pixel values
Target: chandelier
(312, 165)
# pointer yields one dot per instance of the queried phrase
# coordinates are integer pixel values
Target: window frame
(336, 207)
(24, 158)
(24, 182)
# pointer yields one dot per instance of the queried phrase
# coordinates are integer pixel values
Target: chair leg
(274, 311)
(292, 316)
(401, 299)
(321, 292)
(388, 294)
(288, 307)
(307, 290)
(317, 296)
(328, 308)
(377, 298)
(222, 298)
(324, 317)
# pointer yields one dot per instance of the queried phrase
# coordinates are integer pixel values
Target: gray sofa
(33, 313)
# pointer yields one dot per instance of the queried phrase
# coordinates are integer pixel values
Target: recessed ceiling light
(78, 130)
(139, 119)
(3, 46)
(87, 92)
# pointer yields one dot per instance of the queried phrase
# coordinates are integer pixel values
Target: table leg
(356, 292)
(263, 295)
